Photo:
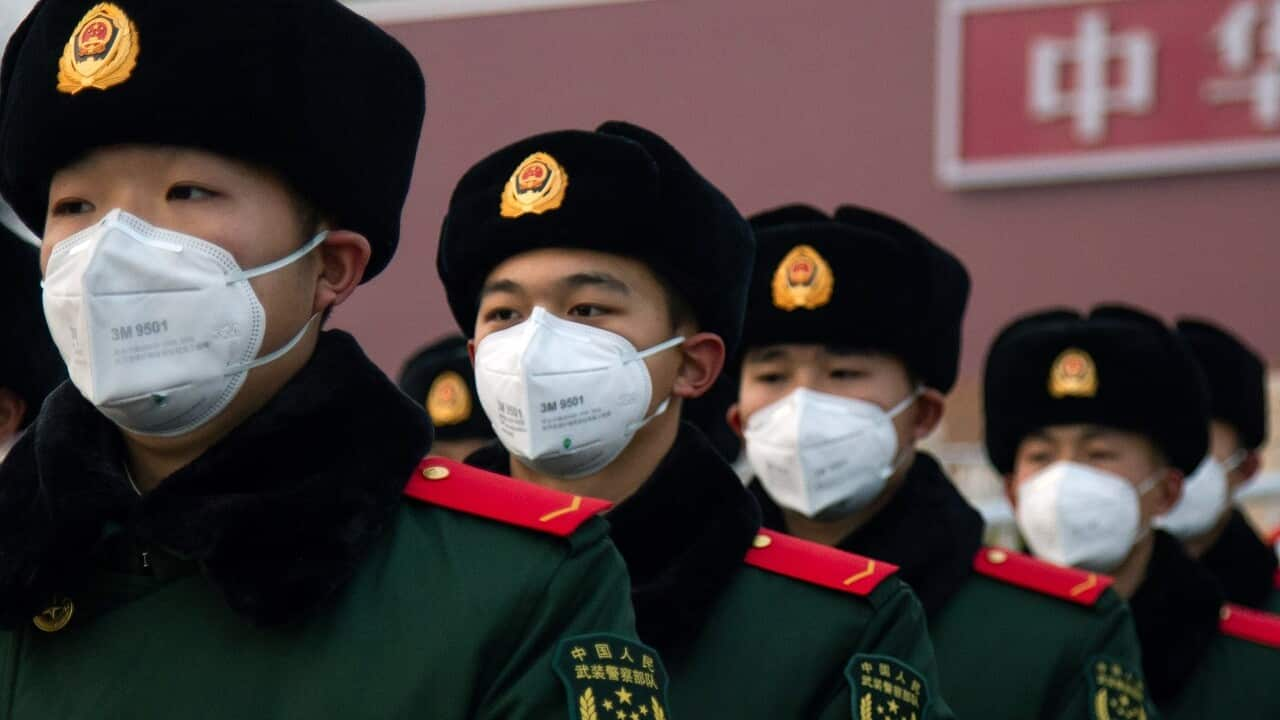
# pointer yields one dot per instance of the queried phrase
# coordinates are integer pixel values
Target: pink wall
(825, 101)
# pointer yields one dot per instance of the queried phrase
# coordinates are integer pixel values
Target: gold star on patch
(624, 696)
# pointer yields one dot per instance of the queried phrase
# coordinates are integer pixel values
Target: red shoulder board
(477, 492)
(1078, 586)
(817, 564)
(1252, 625)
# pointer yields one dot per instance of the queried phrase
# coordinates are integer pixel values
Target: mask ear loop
(894, 412)
(285, 261)
(1235, 460)
(633, 428)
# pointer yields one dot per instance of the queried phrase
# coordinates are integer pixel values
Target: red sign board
(1033, 91)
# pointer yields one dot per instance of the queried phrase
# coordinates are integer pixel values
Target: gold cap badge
(101, 53)
(802, 280)
(56, 616)
(449, 400)
(1074, 374)
(536, 186)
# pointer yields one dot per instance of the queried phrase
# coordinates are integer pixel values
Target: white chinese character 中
(1248, 43)
(1091, 98)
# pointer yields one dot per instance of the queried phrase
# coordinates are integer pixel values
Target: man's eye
(770, 377)
(845, 374)
(72, 207)
(500, 315)
(189, 192)
(586, 311)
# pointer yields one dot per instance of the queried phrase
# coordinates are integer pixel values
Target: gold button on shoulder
(435, 472)
(761, 542)
(56, 616)
(997, 557)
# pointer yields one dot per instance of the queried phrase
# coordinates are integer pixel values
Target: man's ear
(930, 407)
(1249, 467)
(703, 362)
(344, 255)
(12, 410)
(734, 416)
(1170, 490)
(1009, 492)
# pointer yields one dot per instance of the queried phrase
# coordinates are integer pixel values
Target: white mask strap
(285, 261)
(635, 427)
(1235, 460)
(898, 409)
(673, 342)
(276, 355)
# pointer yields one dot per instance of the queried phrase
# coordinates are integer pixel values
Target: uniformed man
(602, 281)
(29, 364)
(226, 512)
(440, 377)
(852, 341)
(1095, 420)
(1210, 526)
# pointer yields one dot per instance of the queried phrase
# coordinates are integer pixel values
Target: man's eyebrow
(767, 354)
(497, 286)
(595, 279)
(1094, 432)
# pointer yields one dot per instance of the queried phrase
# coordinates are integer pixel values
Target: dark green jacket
(761, 632)
(1012, 639)
(284, 574)
(1244, 565)
(1200, 662)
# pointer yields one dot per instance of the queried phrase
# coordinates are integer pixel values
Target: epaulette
(817, 564)
(1078, 586)
(497, 497)
(1252, 625)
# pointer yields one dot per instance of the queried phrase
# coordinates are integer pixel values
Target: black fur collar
(1244, 565)
(683, 536)
(927, 529)
(1176, 611)
(278, 515)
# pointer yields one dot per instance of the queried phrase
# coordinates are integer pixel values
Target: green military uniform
(1015, 638)
(1050, 624)
(751, 625)
(306, 564)
(1205, 658)
(308, 586)
(1121, 368)
(719, 599)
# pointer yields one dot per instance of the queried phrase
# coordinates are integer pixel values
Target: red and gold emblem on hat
(802, 280)
(101, 53)
(449, 399)
(536, 186)
(1074, 374)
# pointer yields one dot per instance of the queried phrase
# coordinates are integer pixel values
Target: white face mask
(820, 455)
(565, 398)
(1204, 499)
(158, 329)
(1079, 516)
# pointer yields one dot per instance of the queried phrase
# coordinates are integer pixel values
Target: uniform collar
(683, 535)
(927, 529)
(277, 515)
(1243, 564)
(1176, 610)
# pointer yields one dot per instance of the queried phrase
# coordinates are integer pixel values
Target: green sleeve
(897, 638)
(1113, 642)
(589, 593)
